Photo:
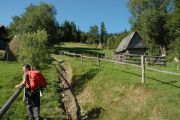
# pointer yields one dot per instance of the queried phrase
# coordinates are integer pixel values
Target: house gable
(132, 41)
(137, 42)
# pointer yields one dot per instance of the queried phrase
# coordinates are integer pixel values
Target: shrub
(33, 49)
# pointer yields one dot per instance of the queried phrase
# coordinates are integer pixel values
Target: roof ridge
(126, 41)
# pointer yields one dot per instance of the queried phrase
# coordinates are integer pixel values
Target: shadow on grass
(87, 51)
(166, 83)
(80, 81)
(170, 83)
(93, 114)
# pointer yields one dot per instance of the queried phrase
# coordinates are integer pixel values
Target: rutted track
(69, 101)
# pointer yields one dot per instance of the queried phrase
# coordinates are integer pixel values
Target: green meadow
(115, 92)
(111, 92)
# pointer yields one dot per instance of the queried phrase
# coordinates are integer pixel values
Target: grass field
(11, 74)
(86, 49)
(115, 92)
(111, 92)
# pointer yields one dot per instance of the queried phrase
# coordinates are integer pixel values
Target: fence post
(81, 58)
(143, 68)
(98, 61)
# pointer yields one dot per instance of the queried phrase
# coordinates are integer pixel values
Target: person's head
(26, 68)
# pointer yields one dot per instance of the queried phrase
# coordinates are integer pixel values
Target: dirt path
(69, 101)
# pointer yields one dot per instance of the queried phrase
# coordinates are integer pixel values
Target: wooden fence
(136, 59)
(133, 60)
(9, 102)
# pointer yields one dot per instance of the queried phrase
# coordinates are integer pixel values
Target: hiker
(32, 92)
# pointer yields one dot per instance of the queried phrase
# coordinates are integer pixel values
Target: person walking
(32, 98)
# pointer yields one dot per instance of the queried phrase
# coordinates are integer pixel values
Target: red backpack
(36, 80)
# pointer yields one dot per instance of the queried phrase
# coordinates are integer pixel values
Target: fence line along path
(143, 59)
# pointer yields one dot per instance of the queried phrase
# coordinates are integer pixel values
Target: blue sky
(84, 13)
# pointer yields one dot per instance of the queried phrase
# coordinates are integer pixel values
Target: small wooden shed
(132, 44)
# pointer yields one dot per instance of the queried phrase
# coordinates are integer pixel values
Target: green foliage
(33, 49)
(114, 40)
(36, 17)
(93, 35)
(68, 32)
(175, 49)
(149, 18)
(154, 49)
(103, 33)
(173, 24)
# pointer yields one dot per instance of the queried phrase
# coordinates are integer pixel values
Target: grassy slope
(90, 50)
(116, 91)
(10, 74)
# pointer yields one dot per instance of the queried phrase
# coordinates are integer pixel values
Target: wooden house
(132, 44)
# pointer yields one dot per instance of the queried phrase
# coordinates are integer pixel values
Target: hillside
(111, 92)
(115, 91)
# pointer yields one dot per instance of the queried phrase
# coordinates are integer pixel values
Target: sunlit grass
(11, 74)
(117, 92)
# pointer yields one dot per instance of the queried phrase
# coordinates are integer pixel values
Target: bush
(33, 49)
(175, 49)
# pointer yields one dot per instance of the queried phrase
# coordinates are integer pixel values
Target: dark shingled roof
(1, 25)
(125, 43)
(2, 29)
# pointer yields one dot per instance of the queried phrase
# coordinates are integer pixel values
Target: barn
(132, 44)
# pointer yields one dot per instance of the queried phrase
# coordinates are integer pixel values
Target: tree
(84, 37)
(114, 39)
(36, 17)
(103, 34)
(149, 18)
(71, 33)
(174, 30)
(33, 49)
(175, 49)
(173, 22)
(93, 35)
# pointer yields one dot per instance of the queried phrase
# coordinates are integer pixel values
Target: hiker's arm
(21, 84)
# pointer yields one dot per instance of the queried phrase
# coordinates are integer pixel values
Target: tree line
(42, 17)
(158, 23)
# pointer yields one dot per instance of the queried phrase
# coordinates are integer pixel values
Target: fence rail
(9, 102)
(141, 63)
